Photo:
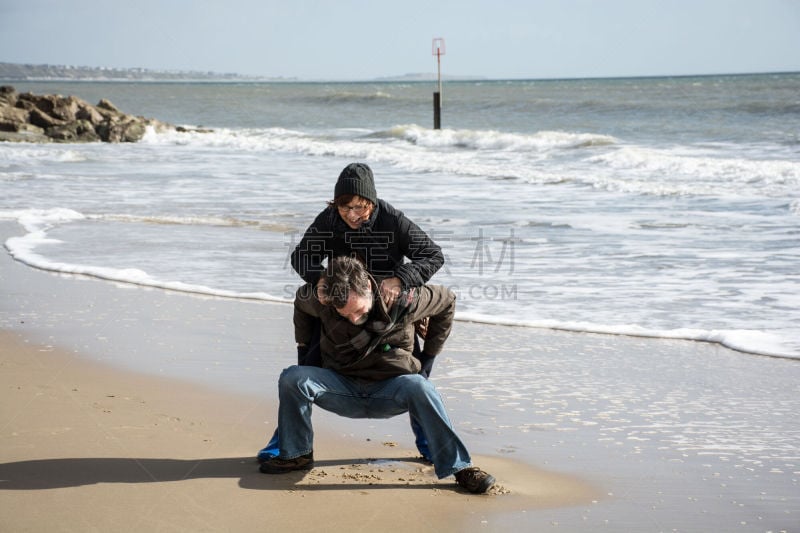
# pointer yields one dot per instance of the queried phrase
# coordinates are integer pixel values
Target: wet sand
(87, 444)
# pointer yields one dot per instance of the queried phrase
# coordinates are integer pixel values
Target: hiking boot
(276, 465)
(474, 480)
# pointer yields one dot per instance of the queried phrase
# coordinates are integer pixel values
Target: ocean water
(664, 207)
(660, 207)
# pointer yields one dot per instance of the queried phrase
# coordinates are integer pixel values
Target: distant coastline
(17, 72)
(25, 72)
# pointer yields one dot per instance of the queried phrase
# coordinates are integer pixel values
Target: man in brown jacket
(368, 369)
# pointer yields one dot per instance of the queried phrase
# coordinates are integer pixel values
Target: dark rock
(8, 96)
(77, 131)
(88, 112)
(32, 118)
(105, 104)
(65, 108)
(115, 131)
(12, 118)
(184, 129)
(37, 117)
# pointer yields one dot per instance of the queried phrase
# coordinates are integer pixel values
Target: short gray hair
(345, 275)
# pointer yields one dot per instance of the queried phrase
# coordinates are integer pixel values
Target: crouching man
(368, 369)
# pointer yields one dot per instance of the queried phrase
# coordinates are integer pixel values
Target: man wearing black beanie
(395, 251)
(358, 223)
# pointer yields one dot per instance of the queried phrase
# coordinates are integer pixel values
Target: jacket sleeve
(306, 311)
(438, 303)
(313, 249)
(426, 256)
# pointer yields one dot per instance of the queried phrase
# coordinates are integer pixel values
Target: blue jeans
(273, 447)
(311, 356)
(299, 387)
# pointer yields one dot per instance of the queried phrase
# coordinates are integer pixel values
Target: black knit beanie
(356, 178)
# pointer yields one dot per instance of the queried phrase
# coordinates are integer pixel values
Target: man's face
(356, 212)
(357, 308)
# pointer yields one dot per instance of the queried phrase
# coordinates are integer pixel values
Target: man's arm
(411, 241)
(306, 313)
(426, 256)
(439, 304)
(313, 249)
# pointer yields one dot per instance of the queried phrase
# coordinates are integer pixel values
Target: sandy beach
(127, 409)
(89, 445)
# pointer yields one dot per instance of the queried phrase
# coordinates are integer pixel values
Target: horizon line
(412, 77)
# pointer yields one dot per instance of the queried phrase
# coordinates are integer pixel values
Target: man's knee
(417, 386)
(291, 376)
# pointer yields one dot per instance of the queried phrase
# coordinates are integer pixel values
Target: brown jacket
(382, 347)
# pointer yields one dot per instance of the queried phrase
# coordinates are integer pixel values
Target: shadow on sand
(61, 473)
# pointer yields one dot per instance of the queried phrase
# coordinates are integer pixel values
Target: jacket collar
(381, 312)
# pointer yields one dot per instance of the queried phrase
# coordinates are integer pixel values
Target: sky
(366, 39)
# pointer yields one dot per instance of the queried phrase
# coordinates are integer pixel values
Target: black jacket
(382, 243)
(383, 346)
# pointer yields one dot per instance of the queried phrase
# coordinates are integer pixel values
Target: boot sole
(266, 468)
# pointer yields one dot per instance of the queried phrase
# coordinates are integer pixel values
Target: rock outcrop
(54, 118)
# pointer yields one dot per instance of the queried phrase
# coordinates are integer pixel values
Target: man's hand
(421, 327)
(390, 289)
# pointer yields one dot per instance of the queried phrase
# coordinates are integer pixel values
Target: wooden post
(438, 51)
(437, 110)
